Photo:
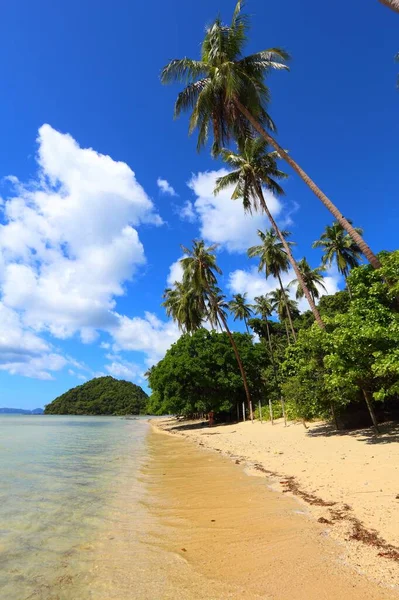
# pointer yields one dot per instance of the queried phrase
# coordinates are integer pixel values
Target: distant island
(100, 396)
(21, 411)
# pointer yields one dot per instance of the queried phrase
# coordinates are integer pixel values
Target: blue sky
(88, 237)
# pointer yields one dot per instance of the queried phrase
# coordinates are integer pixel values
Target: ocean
(59, 479)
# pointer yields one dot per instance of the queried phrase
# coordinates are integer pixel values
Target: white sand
(356, 470)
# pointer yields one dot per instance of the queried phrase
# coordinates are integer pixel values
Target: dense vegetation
(100, 396)
(347, 372)
(338, 360)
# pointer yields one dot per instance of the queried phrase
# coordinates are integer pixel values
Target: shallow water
(97, 508)
(58, 478)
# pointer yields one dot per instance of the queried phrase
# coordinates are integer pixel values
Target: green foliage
(199, 373)
(100, 396)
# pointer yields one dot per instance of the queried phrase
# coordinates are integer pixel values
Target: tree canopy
(100, 396)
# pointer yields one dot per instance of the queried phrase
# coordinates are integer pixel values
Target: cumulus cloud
(222, 220)
(175, 273)
(149, 335)
(254, 284)
(68, 242)
(165, 187)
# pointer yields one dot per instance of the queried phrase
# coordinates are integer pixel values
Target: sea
(60, 481)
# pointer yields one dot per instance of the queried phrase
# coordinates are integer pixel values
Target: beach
(346, 484)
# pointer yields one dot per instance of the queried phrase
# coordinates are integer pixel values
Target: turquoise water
(58, 479)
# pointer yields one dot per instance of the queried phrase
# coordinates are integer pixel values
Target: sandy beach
(346, 483)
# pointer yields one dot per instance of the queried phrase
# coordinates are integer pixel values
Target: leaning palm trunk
(292, 260)
(369, 401)
(392, 4)
(240, 365)
(275, 373)
(366, 250)
(287, 307)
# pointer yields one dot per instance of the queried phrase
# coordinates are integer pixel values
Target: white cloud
(68, 243)
(165, 187)
(149, 335)
(124, 369)
(187, 212)
(105, 345)
(222, 220)
(254, 284)
(175, 273)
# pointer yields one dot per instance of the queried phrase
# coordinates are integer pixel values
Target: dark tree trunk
(369, 401)
(366, 250)
(275, 372)
(240, 365)
(292, 260)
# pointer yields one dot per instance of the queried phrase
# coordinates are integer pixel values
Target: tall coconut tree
(240, 309)
(339, 248)
(273, 260)
(285, 307)
(200, 271)
(254, 168)
(182, 305)
(264, 308)
(313, 279)
(227, 96)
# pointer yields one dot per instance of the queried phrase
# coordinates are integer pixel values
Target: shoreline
(353, 503)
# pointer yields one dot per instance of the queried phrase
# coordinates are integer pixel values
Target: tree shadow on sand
(389, 433)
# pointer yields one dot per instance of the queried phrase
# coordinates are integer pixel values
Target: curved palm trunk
(275, 373)
(366, 250)
(392, 4)
(287, 308)
(292, 260)
(240, 365)
(246, 325)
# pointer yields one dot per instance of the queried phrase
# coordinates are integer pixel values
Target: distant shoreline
(348, 482)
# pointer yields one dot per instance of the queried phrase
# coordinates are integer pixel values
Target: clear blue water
(58, 477)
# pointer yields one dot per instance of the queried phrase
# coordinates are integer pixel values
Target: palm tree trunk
(275, 372)
(369, 401)
(240, 365)
(246, 325)
(292, 260)
(286, 306)
(366, 250)
(392, 4)
(287, 332)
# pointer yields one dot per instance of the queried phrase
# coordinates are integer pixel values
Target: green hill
(100, 396)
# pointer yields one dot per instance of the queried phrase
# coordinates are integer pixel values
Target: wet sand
(200, 528)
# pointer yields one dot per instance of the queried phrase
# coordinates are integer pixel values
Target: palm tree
(182, 304)
(226, 93)
(313, 279)
(199, 274)
(240, 309)
(264, 307)
(338, 247)
(255, 167)
(273, 259)
(393, 4)
(284, 307)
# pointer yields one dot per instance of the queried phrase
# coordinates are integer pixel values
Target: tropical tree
(255, 167)
(200, 272)
(240, 308)
(284, 307)
(339, 248)
(264, 307)
(273, 259)
(227, 95)
(393, 4)
(182, 305)
(313, 279)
